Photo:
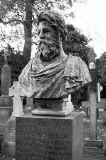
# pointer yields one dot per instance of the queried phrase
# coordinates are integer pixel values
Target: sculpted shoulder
(76, 67)
(73, 60)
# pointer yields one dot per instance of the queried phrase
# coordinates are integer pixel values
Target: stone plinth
(8, 144)
(5, 111)
(49, 138)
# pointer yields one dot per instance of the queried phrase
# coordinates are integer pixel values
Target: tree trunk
(28, 30)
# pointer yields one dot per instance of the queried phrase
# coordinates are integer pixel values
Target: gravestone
(5, 100)
(49, 138)
(5, 79)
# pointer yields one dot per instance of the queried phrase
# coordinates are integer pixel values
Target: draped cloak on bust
(48, 80)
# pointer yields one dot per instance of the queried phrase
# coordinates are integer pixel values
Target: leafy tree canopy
(77, 44)
(101, 65)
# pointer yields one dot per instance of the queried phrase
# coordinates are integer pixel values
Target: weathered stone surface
(8, 145)
(5, 101)
(5, 79)
(5, 111)
(49, 138)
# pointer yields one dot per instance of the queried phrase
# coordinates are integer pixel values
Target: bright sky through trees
(90, 17)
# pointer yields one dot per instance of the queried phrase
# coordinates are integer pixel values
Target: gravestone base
(49, 138)
(9, 140)
(5, 111)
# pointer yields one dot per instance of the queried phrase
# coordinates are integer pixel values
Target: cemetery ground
(89, 152)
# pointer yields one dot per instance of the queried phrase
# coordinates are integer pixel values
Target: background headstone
(5, 79)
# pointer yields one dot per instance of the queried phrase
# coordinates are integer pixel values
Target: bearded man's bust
(51, 75)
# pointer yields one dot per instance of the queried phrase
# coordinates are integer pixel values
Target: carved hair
(55, 20)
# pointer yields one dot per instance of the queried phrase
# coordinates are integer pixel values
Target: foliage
(77, 44)
(6, 6)
(18, 7)
(15, 60)
(101, 68)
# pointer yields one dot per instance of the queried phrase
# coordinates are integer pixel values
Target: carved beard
(48, 51)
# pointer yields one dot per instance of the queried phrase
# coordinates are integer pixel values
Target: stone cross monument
(14, 92)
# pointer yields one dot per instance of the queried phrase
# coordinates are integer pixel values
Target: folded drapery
(50, 80)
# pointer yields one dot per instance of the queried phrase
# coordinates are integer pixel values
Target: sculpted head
(51, 30)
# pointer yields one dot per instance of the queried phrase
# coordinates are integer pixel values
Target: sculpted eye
(46, 30)
(38, 32)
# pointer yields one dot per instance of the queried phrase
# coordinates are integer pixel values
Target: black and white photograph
(52, 80)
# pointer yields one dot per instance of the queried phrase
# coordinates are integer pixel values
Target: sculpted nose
(67, 85)
(41, 34)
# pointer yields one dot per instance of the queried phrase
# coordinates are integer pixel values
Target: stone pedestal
(49, 138)
(9, 144)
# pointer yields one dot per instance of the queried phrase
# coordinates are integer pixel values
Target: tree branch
(11, 21)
